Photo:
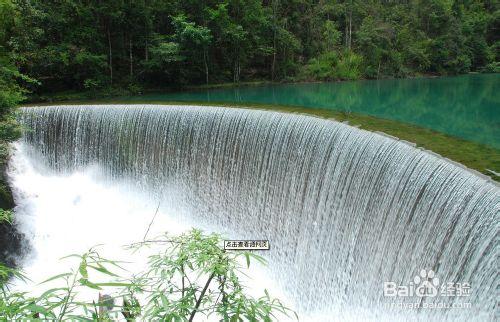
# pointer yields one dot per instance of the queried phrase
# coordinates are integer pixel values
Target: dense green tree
(194, 41)
(12, 91)
(97, 44)
(11, 80)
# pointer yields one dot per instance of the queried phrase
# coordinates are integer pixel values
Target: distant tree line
(94, 44)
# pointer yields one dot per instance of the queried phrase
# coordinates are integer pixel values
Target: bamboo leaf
(86, 282)
(56, 277)
(83, 269)
(247, 256)
(116, 284)
(37, 309)
(103, 270)
(51, 291)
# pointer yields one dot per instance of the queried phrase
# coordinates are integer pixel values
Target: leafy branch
(191, 276)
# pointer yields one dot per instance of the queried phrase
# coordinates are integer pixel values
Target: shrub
(193, 275)
(333, 65)
(491, 68)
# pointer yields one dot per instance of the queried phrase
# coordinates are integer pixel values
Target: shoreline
(117, 92)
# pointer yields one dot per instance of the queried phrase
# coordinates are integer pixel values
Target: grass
(473, 155)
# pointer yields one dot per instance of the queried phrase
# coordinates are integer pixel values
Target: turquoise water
(465, 106)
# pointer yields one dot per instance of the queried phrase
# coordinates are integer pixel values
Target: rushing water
(464, 106)
(345, 210)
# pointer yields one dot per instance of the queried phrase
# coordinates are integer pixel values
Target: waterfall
(345, 209)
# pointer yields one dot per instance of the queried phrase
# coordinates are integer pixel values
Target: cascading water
(345, 210)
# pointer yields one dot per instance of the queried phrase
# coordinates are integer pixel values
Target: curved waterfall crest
(345, 209)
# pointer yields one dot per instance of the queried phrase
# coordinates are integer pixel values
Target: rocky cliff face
(11, 241)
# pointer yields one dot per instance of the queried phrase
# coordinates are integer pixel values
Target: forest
(97, 45)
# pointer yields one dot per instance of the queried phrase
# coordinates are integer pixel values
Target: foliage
(191, 276)
(333, 66)
(331, 35)
(491, 68)
(12, 82)
(12, 91)
(74, 45)
(5, 216)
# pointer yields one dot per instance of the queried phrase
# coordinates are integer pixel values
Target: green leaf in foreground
(191, 277)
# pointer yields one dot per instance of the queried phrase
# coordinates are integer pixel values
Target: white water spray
(344, 209)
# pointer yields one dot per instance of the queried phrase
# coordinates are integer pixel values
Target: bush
(91, 84)
(333, 66)
(491, 68)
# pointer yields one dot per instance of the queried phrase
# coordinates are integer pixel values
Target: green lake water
(465, 106)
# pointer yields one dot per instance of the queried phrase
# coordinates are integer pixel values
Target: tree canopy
(93, 44)
(106, 45)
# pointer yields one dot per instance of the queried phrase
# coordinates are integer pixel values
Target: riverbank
(473, 155)
(117, 92)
